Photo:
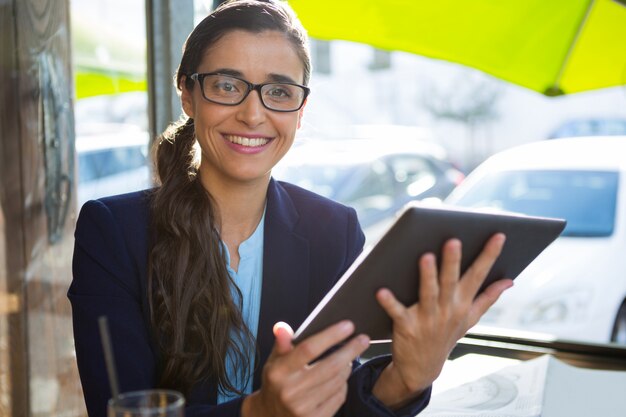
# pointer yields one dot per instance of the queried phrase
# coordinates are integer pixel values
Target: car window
(413, 173)
(371, 192)
(377, 180)
(102, 163)
(590, 127)
(586, 199)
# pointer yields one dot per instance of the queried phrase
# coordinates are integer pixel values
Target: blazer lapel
(285, 287)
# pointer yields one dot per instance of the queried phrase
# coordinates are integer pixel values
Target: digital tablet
(393, 261)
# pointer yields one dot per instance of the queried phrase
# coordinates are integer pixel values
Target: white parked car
(576, 289)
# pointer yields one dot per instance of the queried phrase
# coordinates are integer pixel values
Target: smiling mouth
(251, 142)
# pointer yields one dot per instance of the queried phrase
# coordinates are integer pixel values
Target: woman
(199, 276)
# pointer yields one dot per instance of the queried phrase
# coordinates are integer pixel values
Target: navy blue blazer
(309, 242)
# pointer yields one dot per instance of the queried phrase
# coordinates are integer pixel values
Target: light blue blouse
(248, 279)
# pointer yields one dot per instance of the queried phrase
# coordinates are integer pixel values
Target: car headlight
(567, 307)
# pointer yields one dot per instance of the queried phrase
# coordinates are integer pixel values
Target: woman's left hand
(425, 333)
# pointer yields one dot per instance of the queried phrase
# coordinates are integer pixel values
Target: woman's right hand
(292, 386)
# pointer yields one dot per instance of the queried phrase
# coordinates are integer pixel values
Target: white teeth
(239, 140)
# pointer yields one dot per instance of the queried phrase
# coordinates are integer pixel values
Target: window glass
(111, 106)
(202, 8)
(430, 124)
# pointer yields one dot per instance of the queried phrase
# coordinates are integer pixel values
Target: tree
(471, 100)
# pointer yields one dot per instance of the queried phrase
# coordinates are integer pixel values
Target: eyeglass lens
(223, 89)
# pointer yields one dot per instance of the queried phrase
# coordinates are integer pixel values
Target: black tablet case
(393, 261)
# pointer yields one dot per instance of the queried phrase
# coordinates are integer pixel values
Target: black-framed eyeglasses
(231, 91)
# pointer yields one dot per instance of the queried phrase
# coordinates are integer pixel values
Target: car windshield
(586, 199)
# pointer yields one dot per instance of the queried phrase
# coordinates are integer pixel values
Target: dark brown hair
(194, 318)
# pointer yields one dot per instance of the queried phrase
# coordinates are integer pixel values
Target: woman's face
(225, 133)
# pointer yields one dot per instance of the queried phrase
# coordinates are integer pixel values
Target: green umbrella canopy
(550, 46)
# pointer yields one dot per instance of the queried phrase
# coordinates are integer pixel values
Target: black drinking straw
(105, 337)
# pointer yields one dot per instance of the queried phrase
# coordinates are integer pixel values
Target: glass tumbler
(147, 403)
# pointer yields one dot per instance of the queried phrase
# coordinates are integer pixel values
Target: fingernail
(428, 260)
(364, 340)
(346, 326)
